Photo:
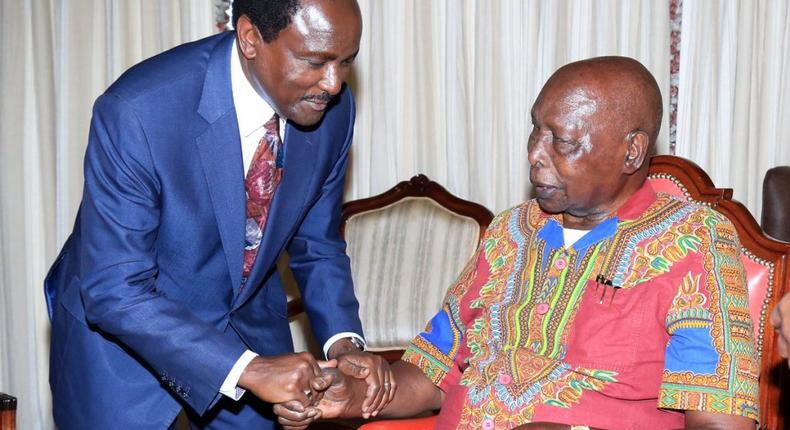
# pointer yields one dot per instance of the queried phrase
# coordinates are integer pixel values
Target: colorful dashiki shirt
(527, 334)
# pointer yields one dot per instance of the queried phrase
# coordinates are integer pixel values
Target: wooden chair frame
(7, 412)
(757, 246)
(419, 186)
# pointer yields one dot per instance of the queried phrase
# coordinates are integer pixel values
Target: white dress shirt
(252, 113)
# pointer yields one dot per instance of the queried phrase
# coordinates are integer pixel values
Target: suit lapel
(289, 200)
(219, 147)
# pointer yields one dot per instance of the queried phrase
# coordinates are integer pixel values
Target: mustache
(324, 97)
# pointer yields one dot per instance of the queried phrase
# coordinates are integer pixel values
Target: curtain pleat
(734, 100)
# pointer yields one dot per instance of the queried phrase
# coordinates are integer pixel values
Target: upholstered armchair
(776, 203)
(765, 259)
(406, 247)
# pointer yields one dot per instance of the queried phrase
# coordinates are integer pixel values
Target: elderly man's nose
(535, 150)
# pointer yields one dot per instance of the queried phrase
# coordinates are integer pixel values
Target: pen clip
(601, 281)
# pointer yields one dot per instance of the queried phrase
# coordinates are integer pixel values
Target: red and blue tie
(263, 176)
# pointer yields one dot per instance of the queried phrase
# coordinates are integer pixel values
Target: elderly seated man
(600, 303)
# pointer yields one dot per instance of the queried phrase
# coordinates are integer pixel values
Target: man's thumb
(327, 364)
(323, 382)
(353, 369)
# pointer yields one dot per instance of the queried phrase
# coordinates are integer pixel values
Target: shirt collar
(252, 111)
(632, 209)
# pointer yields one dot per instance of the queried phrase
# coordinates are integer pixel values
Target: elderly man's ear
(636, 152)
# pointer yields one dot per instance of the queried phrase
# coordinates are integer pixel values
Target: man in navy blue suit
(166, 295)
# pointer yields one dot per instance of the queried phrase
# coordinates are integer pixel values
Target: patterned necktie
(262, 179)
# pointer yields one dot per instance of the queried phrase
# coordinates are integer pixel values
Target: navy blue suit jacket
(144, 298)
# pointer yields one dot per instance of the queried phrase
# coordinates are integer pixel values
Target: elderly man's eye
(565, 146)
(563, 142)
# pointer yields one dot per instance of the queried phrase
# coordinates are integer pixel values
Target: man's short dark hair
(269, 16)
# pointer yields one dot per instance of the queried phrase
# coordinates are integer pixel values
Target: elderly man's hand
(286, 377)
(294, 415)
(345, 396)
(780, 318)
(370, 367)
(342, 399)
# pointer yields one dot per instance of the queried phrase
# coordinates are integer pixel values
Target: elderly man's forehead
(576, 98)
(579, 100)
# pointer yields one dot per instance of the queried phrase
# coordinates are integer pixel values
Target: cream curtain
(445, 87)
(734, 92)
(58, 56)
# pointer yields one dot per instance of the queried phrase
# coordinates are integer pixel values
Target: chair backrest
(7, 412)
(406, 245)
(765, 260)
(775, 218)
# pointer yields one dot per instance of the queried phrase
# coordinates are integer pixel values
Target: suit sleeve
(120, 221)
(318, 255)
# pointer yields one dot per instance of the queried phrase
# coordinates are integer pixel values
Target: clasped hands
(304, 389)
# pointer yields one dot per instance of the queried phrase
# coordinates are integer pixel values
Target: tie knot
(273, 125)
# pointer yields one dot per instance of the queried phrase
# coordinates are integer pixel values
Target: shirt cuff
(342, 335)
(230, 387)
